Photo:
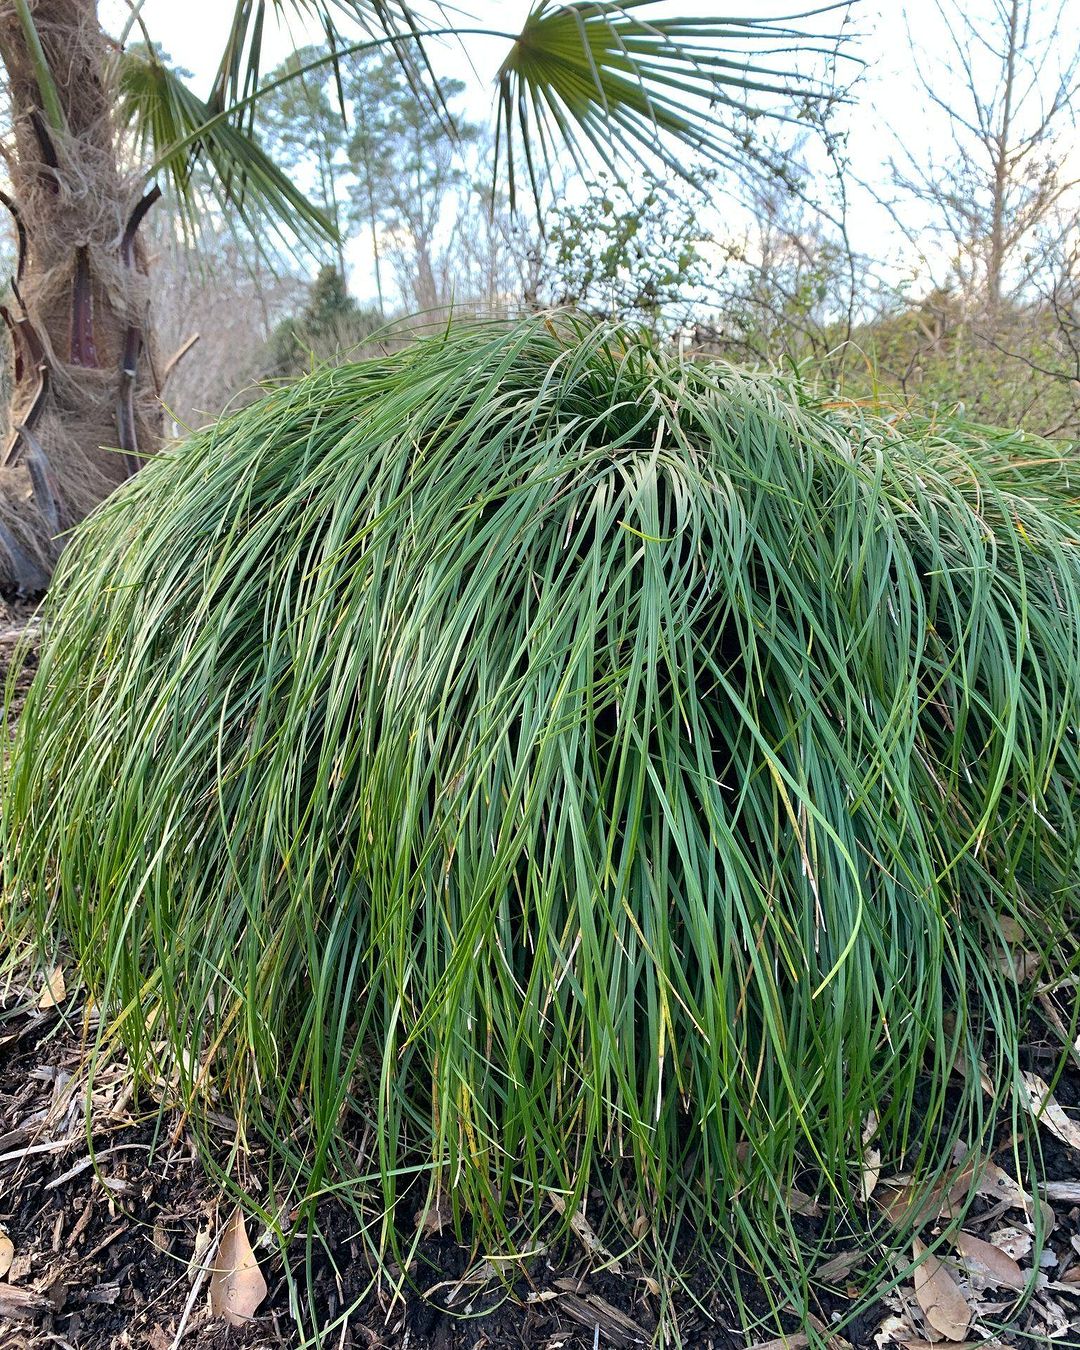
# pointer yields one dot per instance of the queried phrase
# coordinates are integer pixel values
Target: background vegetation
(531, 766)
(970, 299)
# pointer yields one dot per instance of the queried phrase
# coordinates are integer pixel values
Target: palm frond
(606, 80)
(240, 68)
(599, 82)
(201, 153)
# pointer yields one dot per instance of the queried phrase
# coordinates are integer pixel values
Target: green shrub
(330, 328)
(565, 768)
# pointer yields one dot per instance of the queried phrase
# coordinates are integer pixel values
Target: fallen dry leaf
(834, 1339)
(7, 1254)
(1020, 962)
(198, 1253)
(1014, 1242)
(902, 1202)
(984, 1077)
(962, 1345)
(843, 1263)
(432, 1218)
(894, 1330)
(801, 1203)
(1042, 1104)
(1026, 965)
(1012, 931)
(871, 1167)
(237, 1287)
(944, 1306)
(896, 1202)
(53, 989)
(586, 1234)
(995, 1184)
(989, 1263)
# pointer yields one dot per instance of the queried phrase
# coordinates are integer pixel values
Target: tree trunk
(84, 408)
(1002, 148)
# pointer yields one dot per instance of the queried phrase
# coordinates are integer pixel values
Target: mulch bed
(107, 1250)
(110, 1246)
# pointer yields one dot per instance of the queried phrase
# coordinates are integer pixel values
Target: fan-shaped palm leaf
(599, 80)
(610, 82)
(194, 149)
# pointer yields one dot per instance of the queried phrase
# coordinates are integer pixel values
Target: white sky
(191, 30)
(889, 106)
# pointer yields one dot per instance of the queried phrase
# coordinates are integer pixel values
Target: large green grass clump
(532, 763)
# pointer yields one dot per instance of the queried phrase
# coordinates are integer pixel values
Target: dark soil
(105, 1216)
(104, 1245)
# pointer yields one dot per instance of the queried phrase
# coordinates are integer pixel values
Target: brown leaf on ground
(902, 1202)
(995, 1184)
(1019, 961)
(843, 1263)
(436, 1215)
(586, 1235)
(871, 1167)
(989, 1263)
(962, 1345)
(203, 1240)
(7, 1254)
(801, 1203)
(53, 989)
(835, 1340)
(1014, 1242)
(894, 1330)
(1042, 1104)
(1012, 931)
(945, 1308)
(237, 1287)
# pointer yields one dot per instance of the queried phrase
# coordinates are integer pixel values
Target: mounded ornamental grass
(531, 764)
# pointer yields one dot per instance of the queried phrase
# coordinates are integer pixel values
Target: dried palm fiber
(76, 298)
(530, 766)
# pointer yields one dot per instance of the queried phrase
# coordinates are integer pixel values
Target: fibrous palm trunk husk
(84, 408)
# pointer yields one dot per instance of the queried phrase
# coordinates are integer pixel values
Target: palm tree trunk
(84, 407)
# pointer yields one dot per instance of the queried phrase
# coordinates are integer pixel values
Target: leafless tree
(993, 193)
(214, 308)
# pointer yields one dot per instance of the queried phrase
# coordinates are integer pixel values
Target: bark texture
(85, 407)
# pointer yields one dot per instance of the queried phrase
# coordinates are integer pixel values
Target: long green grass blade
(531, 764)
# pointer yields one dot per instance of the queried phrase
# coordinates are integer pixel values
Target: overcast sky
(191, 30)
(889, 108)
